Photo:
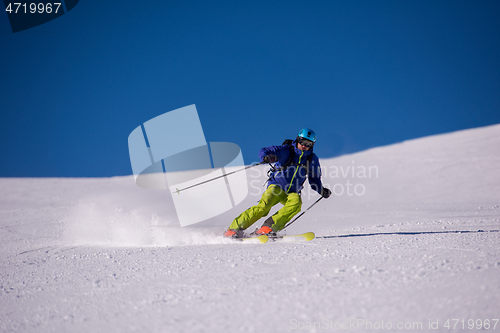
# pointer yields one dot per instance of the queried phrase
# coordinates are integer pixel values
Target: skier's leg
(292, 205)
(270, 197)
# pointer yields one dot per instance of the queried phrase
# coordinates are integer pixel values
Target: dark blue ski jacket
(292, 177)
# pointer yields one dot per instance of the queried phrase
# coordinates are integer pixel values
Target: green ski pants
(272, 196)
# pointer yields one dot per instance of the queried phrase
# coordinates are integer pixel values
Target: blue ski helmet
(308, 134)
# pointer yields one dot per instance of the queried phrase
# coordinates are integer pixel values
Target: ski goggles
(305, 143)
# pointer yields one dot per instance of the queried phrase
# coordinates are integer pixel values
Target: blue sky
(360, 73)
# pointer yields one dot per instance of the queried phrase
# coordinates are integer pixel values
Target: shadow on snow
(410, 233)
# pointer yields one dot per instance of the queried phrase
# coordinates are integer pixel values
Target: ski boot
(234, 233)
(265, 230)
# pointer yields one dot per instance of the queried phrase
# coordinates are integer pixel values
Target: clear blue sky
(360, 73)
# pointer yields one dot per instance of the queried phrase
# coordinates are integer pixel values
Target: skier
(294, 160)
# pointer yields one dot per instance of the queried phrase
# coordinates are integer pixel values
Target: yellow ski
(305, 236)
(261, 239)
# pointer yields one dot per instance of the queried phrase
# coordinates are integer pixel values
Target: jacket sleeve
(314, 175)
(278, 151)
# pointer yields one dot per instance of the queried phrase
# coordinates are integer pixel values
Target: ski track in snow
(420, 246)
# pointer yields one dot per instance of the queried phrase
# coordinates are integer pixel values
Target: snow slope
(408, 241)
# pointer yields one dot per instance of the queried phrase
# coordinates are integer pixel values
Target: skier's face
(301, 147)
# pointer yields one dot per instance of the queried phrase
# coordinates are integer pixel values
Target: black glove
(325, 193)
(270, 158)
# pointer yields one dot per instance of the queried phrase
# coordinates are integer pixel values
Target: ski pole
(295, 219)
(227, 174)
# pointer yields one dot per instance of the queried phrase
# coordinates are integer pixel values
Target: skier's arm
(314, 175)
(273, 150)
